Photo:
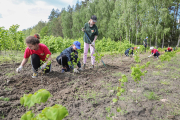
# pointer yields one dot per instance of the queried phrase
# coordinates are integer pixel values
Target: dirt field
(88, 95)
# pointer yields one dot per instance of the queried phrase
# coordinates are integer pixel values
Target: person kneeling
(128, 50)
(39, 52)
(70, 55)
(169, 49)
(154, 52)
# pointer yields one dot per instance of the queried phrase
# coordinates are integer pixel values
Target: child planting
(70, 55)
(129, 50)
(154, 52)
(169, 49)
(38, 53)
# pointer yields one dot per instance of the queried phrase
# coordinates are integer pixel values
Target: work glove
(43, 66)
(150, 56)
(83, 29)
(80, 69)
(93, 44)
(76, 70)
(19, 69)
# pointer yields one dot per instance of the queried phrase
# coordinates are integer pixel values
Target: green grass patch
(4, 99)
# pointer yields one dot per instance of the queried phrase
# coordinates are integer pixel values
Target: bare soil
(88, 95)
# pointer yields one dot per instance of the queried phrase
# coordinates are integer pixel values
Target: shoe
(35, 75)
(63, 70)
(83, 67)
(67, 69)
(92, 66)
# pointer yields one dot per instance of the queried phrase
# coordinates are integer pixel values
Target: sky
(27, 13)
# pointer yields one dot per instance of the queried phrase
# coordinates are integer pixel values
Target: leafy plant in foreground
(120, 90)
(56, 112)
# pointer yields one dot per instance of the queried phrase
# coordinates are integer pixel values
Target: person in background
(154, 52)
(128, 50)
(66, 56)
(91, 31)
(169, 49)
(38, 52)
(145, 43)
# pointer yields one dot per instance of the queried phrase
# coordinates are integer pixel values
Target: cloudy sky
(28, 13)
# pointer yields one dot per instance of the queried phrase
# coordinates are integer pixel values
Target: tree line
(132, 20)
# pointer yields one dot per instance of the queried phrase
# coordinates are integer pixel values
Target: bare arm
(95, 38)
(24, 61)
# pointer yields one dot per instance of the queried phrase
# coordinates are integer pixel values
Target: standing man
(145, 43)
(91, 31)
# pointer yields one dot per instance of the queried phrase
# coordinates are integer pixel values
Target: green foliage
(151, 96)
(120, 90)
(136, 73)
(27, 116)
(56, 112)
(39, 97)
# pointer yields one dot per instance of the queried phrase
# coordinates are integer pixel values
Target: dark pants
(62, 60)
(168, 50)
(145, 46)
(156, 54)
(35, 61)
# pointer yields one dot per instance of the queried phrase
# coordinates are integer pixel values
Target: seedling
(56, 112)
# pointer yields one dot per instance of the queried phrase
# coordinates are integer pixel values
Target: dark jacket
(127, 51)
(68, 52)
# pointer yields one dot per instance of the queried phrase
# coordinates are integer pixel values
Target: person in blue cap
(66, 56)
(145, 43)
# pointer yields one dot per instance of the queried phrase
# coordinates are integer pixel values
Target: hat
(146, 37)
(77, 44)
(151, 48)
(94, 18)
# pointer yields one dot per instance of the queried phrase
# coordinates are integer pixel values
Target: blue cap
(77, 44)
(146, 37)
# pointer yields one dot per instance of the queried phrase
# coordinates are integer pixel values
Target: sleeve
(27, 53)
(96, 31)
(46, 51)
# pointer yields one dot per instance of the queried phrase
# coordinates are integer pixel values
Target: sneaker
(83, 67)
(67, 69)
(92, 66)
(63, 70)
(35, 75)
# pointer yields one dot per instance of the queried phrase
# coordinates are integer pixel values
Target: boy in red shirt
(154, 52)
(38, 52)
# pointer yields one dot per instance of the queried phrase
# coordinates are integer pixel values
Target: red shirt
(41, 52)
(169, 48)
(154, 51)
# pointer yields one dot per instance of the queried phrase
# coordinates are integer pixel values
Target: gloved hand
(43, 66)
(19, 69)
(76, 70)
(83, 29)
(80, 69)
(93, 44)
(149, 56)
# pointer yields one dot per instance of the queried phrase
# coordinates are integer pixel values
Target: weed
(165, 82)
(4, 99)
(151, 96)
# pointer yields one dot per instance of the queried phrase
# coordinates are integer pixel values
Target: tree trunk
(178, 42)
(163, 42)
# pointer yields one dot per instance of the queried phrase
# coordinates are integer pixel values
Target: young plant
(56, 112)
(120, 90)
(136, 74)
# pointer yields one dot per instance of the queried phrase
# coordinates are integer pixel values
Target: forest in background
(118, 20)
